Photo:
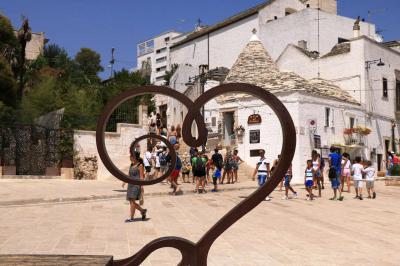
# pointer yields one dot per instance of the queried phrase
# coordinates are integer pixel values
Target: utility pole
(112, 62)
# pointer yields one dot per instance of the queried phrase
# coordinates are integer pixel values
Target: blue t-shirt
(336, 161)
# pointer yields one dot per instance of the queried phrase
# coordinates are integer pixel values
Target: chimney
(357, 28)
(303, 44)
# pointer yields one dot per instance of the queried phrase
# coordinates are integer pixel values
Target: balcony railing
(355, 139)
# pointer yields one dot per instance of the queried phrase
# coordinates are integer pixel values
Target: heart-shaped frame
(196, 253)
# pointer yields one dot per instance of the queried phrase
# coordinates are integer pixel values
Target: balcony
(355, 139)
(356, 136)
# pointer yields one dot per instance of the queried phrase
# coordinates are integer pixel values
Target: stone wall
(117, 144)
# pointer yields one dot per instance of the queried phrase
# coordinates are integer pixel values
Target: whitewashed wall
(224, 45)
(278, 8)
(117, 144)
(303, 25)
(348, 71)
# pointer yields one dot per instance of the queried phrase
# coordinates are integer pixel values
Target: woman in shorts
(346, 172)
(235, 167)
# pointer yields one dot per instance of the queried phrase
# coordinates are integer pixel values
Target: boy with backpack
(216, 174)
(199, 171)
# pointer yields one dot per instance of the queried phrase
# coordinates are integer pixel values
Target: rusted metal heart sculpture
(196, 253)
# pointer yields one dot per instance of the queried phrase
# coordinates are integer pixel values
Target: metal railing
(355, 139)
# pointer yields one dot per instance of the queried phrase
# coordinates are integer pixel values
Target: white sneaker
(267, 198)
(295, 195)
(285, 198)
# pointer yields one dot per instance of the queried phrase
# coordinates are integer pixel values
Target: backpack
(199, 165)
(163, 159)
(332, 173)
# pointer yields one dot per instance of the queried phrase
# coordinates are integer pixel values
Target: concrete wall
(117, 146)
(278, 9)
(329, 6)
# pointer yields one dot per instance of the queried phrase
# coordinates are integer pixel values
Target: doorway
(229, 122)
(380, 162)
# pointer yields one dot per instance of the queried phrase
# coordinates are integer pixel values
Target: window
(327, 116)
(385, 87)
(352, 122)
(160, 78)
(162, 50)
(166, 39)
(161, 59)
(159, 69)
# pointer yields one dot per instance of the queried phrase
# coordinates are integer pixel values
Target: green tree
(8, 85)
(55, 56)
(8, 41)
(88, 62)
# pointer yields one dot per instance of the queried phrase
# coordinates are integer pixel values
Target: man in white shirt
(147, 161)
(262, 170)
(357, 171)
(370, 178)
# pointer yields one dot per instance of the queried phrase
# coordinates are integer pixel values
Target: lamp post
(377, 62)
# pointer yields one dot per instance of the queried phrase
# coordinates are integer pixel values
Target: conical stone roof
(255, 66)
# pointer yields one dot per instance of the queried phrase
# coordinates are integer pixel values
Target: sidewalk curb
(121, 195)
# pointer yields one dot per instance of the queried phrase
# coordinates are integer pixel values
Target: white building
(327, 52)
(153, 55)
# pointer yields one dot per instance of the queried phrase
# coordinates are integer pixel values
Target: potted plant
(348, 131)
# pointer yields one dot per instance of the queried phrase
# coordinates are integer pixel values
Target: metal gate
(31, 149)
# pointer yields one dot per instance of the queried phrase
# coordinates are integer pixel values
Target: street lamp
(374, 62)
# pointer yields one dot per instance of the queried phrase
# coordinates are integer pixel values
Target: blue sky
(102, 24)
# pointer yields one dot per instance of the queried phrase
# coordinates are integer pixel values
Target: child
(215, 176)
(309, 179)
(370, 173)
(288, 178)
(357, 171)
(186, 166)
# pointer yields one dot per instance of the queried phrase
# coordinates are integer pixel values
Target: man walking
(262, 171)
(335, 168)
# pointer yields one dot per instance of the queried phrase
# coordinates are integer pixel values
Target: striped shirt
(309, 174)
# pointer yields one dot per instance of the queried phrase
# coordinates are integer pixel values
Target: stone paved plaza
(294, 232)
